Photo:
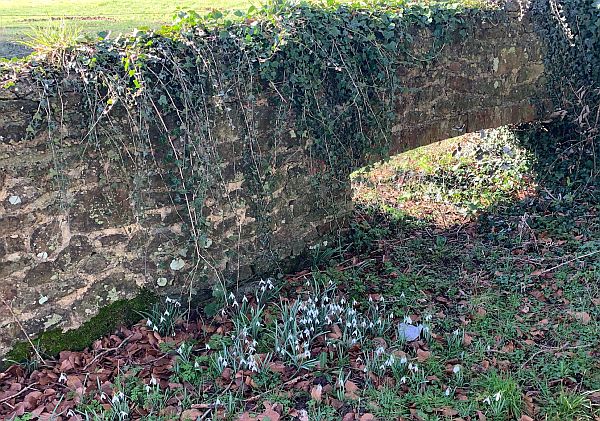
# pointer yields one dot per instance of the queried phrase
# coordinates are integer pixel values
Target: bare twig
(570, 261)
(16, 320)
(106, 351)
(18, 393)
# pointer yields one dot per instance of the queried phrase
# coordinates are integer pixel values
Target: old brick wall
(80, 229)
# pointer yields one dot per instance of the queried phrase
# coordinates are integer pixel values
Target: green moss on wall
(122, 312)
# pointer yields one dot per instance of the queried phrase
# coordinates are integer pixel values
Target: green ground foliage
(489, 247)
(506, 293)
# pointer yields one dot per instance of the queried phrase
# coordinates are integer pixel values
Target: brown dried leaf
(351, 390)
(315, 393)
(423, 355)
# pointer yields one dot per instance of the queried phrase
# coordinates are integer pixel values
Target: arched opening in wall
(451, 182)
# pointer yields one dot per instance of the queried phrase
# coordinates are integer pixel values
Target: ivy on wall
(571, 29)
(331, 67)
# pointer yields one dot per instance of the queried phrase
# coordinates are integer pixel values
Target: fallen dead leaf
(351, 389)
(315, 393)
(423, 355)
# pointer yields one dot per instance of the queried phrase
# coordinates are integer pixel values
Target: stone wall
(80, 229)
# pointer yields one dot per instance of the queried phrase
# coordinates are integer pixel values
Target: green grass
(18, 16)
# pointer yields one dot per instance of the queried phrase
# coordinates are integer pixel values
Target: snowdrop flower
(407, 320)
(62, 378)
(447, 392)
(153, 381)
(403, 380)
(117, 397)
(497, 396)
(456, 369)
(487, 400)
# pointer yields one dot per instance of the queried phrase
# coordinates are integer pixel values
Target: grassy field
(17, 16)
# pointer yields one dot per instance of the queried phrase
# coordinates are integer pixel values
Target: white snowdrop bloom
(428, 317)
(168, 300)
(370, 299)
(402, 295)
(149, 323)
(167, 313)
(456, 332)
(147, 388)
(162, 319)
(231, 296)
(487, 400)
(102, 396)
(447, 392)
(245, 299)
(155, 328)
(408, 320)
(62, 378)
(456, 369)
(403, 360)
(124, 414)
(498, 396)
(403, 380)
